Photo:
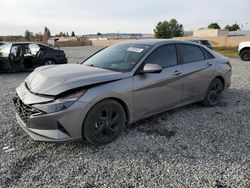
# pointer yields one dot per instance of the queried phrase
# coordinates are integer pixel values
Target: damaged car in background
(119, 85)
(25, 56)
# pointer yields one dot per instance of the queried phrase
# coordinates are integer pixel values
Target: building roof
(239, 33)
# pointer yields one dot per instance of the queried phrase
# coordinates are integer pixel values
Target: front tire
(104, 122)
(214, 93)
(245, 55)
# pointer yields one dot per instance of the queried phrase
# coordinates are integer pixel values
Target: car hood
(55, 79)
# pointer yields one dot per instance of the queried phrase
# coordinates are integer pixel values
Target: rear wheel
(104, 122)
(49, 62)
(245, 55)
(214, 93)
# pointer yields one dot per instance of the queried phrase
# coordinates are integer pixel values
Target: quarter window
(208, 54)
(164, 56)
(191, 53)
(33, 49)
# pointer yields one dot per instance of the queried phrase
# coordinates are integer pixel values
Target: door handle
(176, 73)
(209, 64)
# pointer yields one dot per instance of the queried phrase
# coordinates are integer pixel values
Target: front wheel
(214, 93)
(104, 122)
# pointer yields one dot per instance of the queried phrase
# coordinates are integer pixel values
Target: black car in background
(2, 43)
(25, 56)
(203, 42)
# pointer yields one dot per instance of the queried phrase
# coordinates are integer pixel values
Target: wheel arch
(221, 79)
(48, 58)
(244, 48)
(124, 106)
(119, 100)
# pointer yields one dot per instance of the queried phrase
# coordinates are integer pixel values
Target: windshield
(121, 58)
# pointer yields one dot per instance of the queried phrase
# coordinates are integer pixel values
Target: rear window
(191, 53)
(205, 42)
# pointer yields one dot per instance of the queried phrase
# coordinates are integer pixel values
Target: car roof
(199, 40)
(153, 42)
(24, 43)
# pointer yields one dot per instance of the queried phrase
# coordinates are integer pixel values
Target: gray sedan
(117, 86)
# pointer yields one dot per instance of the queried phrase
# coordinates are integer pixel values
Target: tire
(214, 93)
(49, 62)
(245, 55)
(104, 122)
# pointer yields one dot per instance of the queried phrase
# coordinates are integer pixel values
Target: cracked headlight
(60, 103)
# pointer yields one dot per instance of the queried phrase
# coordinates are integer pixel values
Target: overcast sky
(92, 16)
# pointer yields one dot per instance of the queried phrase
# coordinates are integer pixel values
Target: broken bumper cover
(55, 127)
(61, 126)
(43, 135)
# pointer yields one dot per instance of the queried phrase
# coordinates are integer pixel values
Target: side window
(191, 53)
(164, 56)
(33, 49)
(16, 50)
(208, 54)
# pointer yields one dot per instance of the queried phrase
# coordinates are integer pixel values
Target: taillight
(62, 54)
(229, 64)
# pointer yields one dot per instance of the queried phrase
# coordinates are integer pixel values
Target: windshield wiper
(92, 65)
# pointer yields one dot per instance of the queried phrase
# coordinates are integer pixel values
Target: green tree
(228, 27)
(47, 32)
(61, 34)
(73, 34)
(213, 26)
(233, 27)
(98, 33)
(38, 37)
(168, 29)
(28, 35)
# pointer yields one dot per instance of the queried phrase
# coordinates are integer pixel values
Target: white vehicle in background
(244, 51)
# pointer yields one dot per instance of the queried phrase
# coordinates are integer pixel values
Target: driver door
(4, 57)
(16, 56)
(157, 92)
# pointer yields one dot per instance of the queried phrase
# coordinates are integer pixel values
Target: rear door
(36, 53)
(199, 70)
(156, 92)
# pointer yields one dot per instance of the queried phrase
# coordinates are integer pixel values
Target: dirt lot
(193, 146)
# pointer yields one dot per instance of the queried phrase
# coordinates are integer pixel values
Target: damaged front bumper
(65, 125)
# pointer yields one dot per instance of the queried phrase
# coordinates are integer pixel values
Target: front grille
(25, 111)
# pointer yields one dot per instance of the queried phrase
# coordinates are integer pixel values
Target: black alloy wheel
(49, 62)
(214, 93)
(104, 122)
(245, 55)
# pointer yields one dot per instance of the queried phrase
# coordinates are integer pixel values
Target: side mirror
(152, 68)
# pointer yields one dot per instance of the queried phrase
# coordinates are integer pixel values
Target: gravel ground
(78, 54)
(193, 146)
